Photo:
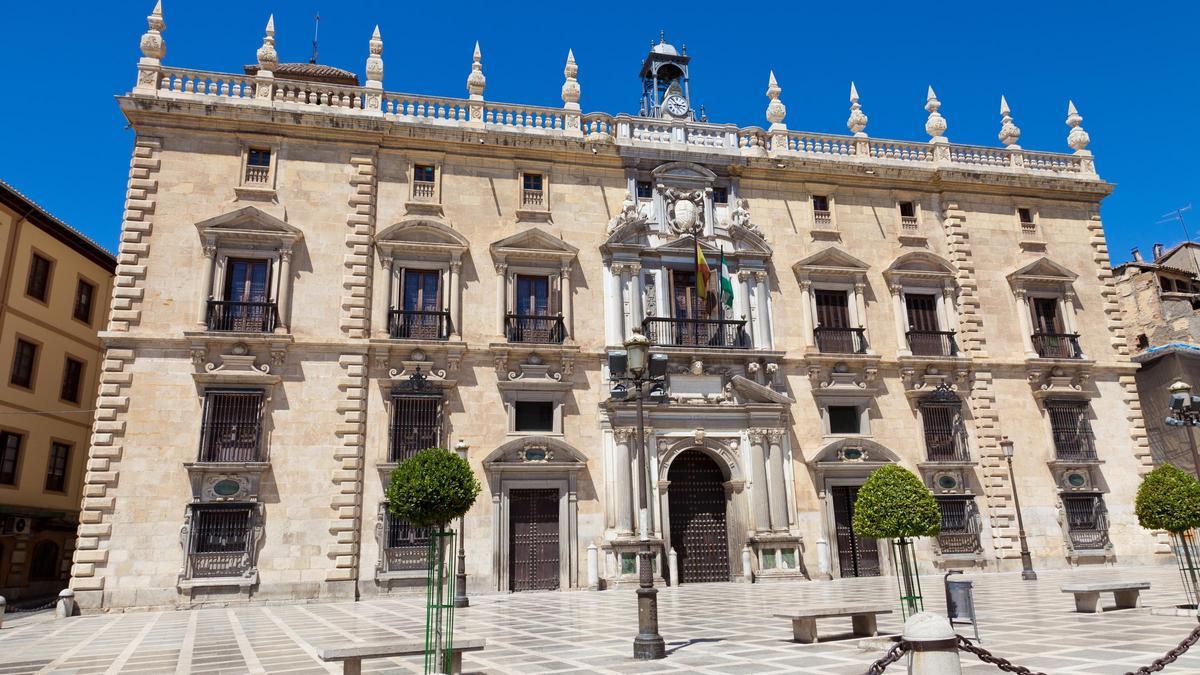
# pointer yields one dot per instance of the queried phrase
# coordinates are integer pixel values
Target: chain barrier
(903, 647)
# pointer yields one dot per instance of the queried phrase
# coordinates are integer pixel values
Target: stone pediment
(831, 261)
(535, 244)
(421, 234)
(684, 245)
(749, 241)
(1043, 270)
(535, 454)
(248, 224)
(685, 172)
(753, 392)
(920, 265)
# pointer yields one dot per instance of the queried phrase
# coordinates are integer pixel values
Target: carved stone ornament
(375, 60)
(858, 119)
(476, 81)
(152, 43)
(267, 58)
(776, 111)
(1078, 139)
(1009, 132)
(740, 216)
(570, 88)
(629, 213)
(685, 209)
(240, 361)
(935, 126)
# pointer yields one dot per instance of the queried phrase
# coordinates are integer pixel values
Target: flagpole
(721, 289)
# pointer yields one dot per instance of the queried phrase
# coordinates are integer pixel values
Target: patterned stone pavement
(709, 628)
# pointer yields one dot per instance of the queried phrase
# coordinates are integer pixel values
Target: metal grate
(220, 542)
(1072, 431)
(535, 328)
(242, 317)
(841, 340)
(1057, 345)
(416, 424)
(411, 324)
(1087, 522)
(945, 431)
(960, 526)
(232, 426)
(406, 547)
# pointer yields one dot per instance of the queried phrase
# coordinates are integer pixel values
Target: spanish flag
(704, 290)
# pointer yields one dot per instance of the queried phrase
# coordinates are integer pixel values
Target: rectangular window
(416, 425)
(533, 416)
(1167, 284)
(258, 166)
(37, 286)
(1045, 316)
(1087, 521)
(844, 419)
(423, 181)
(908, 214)
(820, 205)
(720, 195)
(645, 189)
(944, 429)
(232, 426)
(10, 453)
(84, 295)
(220, 541)
(687, 304)
(533, 295)
(24, 360)
(72, 380)
(1071, 429)
(532, 181)
(959, 530)
(406, 547)
(833, 308)
(56, 469)
(922, 311)
(532, 194)
(1026, 218)
(421, 290)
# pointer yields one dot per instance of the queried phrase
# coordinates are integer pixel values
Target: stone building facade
(317, 278)
(54, 285)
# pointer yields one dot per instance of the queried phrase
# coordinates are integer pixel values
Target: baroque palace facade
(317, 278)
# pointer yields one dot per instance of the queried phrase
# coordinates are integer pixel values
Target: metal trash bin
(960, 601)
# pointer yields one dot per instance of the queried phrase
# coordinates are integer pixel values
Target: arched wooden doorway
(697, 514)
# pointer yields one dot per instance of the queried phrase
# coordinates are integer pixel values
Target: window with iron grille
(406, 547)
(960, 527)
(24, 359)
(10, 453)
(1071, 429)
(84, 294)
(416, 425)
(944, 430)
(37, 286)
(1087, 521)
(221, 540)
(56, 468)
(72, 380)
(232, 426)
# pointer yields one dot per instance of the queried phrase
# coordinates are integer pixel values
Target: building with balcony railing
(390, 271)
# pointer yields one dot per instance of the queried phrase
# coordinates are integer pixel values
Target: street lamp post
(634, 369)
(1027, 572)
(460, 576)
(1185, 413)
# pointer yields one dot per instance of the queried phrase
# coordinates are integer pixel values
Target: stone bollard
(673, 566)
(3, 603)
(934, 646)
(747, 564)
(823, 562)
(66, 604)
(593, 567)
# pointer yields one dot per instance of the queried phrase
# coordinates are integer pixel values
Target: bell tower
(665, 82)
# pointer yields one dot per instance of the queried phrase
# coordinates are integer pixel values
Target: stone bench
(862, 620)
(352, 655)
(1087, 596)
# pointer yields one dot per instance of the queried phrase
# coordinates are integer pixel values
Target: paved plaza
(709, 628)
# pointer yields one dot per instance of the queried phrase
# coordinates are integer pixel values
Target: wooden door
(857, 556)
(833, 322)
(697, 502)
(533, 561)
(923, 338)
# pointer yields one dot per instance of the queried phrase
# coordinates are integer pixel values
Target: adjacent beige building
(317, 278)
(54, 283)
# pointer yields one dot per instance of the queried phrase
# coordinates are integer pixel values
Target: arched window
(45, 562)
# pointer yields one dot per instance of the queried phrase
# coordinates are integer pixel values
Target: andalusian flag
(726, 286)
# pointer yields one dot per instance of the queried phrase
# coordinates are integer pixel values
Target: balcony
(717, 333)
(242, 317)
(220, 541)
(822, 218)
(406, 548)
(257, 175)
(210, 565)
(1057, 345)
(533, 199)
(932, 343)
(1087, 523)
(841, 340)
(908, 222)
(535, 329)
(423, 191)
(408, 324)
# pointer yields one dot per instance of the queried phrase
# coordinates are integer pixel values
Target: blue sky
(1130, 68)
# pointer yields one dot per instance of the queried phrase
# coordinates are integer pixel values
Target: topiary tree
(894, 504)
(431, 489)
(1169, 499)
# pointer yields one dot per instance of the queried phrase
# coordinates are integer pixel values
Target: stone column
(616, 312)
(623, 492)
(455, 296)
(1067, 303)
(806, 315)
(625, 292)
(778, 491)
(758, 482)
(206, 285)
(764, 340)
(567, 298)
(636, 297)
(860, 305)
(748, 305)
(285, 289)
(901, 319)
(1026, 323)
(948, 308)
(502, 294)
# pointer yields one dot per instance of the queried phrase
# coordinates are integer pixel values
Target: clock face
(676, 105)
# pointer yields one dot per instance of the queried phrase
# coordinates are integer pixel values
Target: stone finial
(1078, 139)
(570, 88)
(1009, 132)
(375, 61)
(858, 119)
(935, 126)
(776, 111)
(152, 44)
(476, 81)
(267, 58)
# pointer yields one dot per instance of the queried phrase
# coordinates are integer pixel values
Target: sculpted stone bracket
(225, 481)
(239, 366)
(858, 377)
(531, 367)
(1059, 377)
(200, 346)
(920, 381)
(420, 363)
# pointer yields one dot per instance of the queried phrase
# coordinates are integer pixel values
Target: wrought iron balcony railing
(406, 548)
(209, 565)
(1087, 523)
(1057, 345)
(535, 329)
(242, 317)
(841, 340)
(719, 333)
(411, 324)
(960, 527)
(932, 343)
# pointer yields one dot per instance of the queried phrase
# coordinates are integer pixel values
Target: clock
(676, 105)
